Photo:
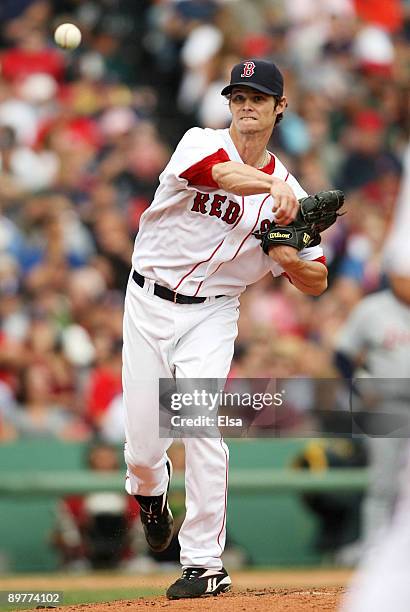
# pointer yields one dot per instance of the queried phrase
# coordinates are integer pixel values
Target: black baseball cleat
(156, 517)
(199, 582)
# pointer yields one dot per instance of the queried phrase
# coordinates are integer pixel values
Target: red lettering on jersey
(216, 206)
(199, 203)
(264, 226)
(231, 213)
(394, 337)
(248, 69)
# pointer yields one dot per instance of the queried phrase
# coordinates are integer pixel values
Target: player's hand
(285, 204)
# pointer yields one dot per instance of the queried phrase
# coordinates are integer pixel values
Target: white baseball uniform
(194, 239)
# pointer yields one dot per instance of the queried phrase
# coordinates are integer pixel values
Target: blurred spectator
(46, 393)
(31, 56)
(96, 530)
(367, 159)
(28, 169)
(389, 17)
(105, 377)
(7, 407)
(112, 421)
(338, 514)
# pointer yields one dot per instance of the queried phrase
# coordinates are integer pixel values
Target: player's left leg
(205, 350)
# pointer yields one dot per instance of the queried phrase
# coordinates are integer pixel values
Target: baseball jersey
(397, 260)
(195, 238)
(379, 327)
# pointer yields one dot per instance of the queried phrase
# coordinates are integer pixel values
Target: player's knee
(138, 462)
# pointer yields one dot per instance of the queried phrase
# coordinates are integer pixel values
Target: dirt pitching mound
(258, 600)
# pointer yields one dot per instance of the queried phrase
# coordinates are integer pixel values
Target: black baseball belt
(168, 294)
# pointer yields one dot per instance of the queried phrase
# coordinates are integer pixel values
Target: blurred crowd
(84, 135)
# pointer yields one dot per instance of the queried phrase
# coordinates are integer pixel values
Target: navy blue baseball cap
(258, 74)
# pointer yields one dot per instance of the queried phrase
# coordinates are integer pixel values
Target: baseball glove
(316, 213)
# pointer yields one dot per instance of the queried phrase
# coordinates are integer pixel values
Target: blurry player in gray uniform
(382, 580)
(382, 327)
(376, 339)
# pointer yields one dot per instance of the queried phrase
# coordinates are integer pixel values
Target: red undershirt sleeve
(200, 174)
(322, 259)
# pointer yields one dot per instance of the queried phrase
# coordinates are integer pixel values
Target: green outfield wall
(266, 515)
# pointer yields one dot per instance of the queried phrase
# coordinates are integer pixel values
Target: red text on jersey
(216, 206)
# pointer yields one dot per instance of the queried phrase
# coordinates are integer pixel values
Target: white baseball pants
(163, 340)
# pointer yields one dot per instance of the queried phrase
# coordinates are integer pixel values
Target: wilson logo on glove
(306, 238)
(278, 235)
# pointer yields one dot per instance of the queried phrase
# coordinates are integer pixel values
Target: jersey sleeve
(200, 174)
(352, 338)
(196, 154)
(313, 254)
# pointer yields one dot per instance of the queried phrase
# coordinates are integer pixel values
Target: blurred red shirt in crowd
(388, 15)
(104, 385)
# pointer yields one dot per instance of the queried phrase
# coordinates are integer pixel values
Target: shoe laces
(190, 573)
(153, 514)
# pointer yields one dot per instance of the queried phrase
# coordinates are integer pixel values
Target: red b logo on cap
(248, 69)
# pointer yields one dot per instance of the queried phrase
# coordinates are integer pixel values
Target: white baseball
(67, 36)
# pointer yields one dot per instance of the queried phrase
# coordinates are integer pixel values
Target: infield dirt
(273, 600)
(259, 591)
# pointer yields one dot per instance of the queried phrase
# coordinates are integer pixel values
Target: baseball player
(382, 581)
(376, 339)
(195, 253)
